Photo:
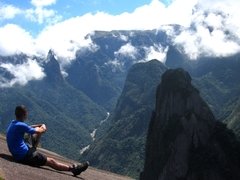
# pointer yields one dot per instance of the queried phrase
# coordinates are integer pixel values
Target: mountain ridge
(95, 82)
(128, 124)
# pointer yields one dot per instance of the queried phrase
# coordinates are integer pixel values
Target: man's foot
(79, 168)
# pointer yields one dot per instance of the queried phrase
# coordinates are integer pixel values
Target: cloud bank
(22, 73)
(41, 3)
(215, 31)
(14, 40)
(9, 11)
(156, 52)
(127, 50)
(67, 36)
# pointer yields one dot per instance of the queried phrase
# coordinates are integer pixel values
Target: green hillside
(233, 120)
(121, 149)
(69, 114)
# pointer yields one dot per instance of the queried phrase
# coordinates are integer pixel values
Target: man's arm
(36, 125)
(41, 129)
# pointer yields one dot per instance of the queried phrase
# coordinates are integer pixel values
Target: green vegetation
(122, 148)
(233, 120)
(219, 85)
(72, 108)
(69, 114)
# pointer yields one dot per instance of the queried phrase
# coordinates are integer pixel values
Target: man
(22, 153)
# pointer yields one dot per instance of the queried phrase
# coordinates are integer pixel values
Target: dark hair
(20, 112)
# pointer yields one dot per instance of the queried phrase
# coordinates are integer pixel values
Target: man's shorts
(34, 158)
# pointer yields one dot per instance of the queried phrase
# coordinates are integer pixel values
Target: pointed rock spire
(184, 140)
(52, 68)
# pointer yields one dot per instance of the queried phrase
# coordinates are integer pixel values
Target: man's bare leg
(35, 140)
(57, 165)
(76, 169)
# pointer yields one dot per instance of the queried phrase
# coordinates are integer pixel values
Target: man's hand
(41, 129)
(44, 127)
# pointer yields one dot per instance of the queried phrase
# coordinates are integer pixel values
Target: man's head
(21, 113)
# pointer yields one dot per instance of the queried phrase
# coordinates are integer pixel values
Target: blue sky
(80, 7)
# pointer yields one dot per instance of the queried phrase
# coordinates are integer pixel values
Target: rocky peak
(52, 68)
(139, 89)
(176, 80)
(176, 97)
(184, 140)
(51, 56)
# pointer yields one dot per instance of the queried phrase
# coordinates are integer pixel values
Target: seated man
(22, 153)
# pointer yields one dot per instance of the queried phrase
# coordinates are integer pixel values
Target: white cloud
(204, 43)
(41, 3)
(216, 33)
(39, 13)
(42, 15)
(23, 73)
(14, 39)
(116, 65)
(65, 39)
(68, 36)
(127, 50)
(9, 12)
(156, 52)
(123, 37)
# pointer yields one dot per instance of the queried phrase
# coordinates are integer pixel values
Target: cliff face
(121, 148)
(184, 140)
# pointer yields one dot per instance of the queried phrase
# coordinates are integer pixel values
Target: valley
(99, 106)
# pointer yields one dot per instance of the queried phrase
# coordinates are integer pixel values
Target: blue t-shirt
(15, 141)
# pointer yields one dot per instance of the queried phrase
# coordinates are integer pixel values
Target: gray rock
(184, 140)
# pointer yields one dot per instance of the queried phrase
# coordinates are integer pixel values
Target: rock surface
(184, 140)
(11, 170)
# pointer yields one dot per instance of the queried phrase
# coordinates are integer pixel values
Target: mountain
(121, 149)
(100, 72)
(52, 69)
(97, 82)
(94, 82)
(68, 113)
(184, 139)
(233, 120)
(218, 78)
